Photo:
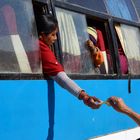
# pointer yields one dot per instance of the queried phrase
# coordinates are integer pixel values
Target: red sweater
(49, 62)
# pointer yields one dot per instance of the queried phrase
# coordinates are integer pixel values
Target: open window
(101, 41)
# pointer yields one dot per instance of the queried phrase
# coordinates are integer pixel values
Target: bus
(34, 107)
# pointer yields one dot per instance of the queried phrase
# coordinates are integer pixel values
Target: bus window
(99, 37)
(73, 35)
(121, 8)
(130, 43)
(97, 5)
(19, 51)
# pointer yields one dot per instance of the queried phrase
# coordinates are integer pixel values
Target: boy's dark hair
(46, 23)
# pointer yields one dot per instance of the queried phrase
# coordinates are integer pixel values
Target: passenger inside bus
(99, 37)
(107, 66)
(47, 29)
(94, 45)
(96, 54)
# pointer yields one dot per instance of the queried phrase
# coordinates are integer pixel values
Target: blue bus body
(41, 109)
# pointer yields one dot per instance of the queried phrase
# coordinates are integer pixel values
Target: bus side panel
(42, 110)
(23, 110)
(75, 121)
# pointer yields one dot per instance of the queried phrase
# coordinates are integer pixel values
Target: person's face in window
(50, 38)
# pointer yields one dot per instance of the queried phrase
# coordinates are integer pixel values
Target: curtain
(131, 36)
(121, 50)
(76, 57)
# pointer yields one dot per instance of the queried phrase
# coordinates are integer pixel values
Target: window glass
(137, 5)
(97, 5)
(75, 29)
(130, 43)
(19, 51)
(73, 34)
(121, 8)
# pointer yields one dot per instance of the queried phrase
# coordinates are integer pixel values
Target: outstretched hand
(93, 102)
(90, 101)
(118, 104)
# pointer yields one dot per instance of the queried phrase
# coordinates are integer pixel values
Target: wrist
(83, 95)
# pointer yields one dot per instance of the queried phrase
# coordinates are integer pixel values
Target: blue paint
(23, 110)
(76, 121)
(42, 110)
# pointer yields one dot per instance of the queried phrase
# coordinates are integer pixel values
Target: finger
(112, 103)
(93, 104)
(96, 99)
(113, 99)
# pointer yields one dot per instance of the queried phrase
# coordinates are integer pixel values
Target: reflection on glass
(137, 5)
(97, 5)
(18, 49)
(129, 38)
(73, 34)
(121, 8)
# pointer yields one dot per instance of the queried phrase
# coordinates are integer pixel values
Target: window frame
(112, 37)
